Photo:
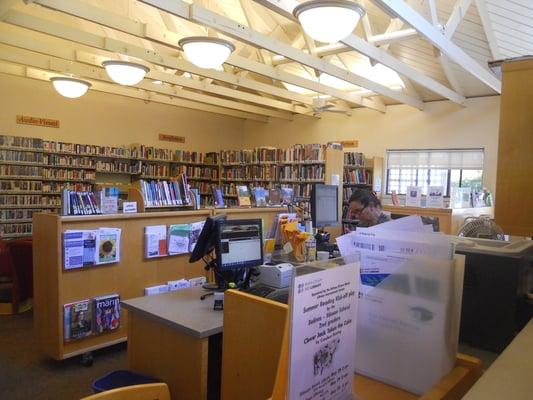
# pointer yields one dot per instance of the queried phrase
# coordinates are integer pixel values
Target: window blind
(436, 159)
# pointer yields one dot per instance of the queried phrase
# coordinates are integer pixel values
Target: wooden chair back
(150, 391)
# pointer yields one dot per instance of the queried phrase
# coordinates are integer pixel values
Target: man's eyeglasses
(358, 211)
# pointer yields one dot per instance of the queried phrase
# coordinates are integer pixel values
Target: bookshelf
(20, 184)
(359, 172)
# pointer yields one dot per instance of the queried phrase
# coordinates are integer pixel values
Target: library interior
(266, 199)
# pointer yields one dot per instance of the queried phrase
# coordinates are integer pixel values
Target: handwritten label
(129, 207)
(27, 120)
(171, 138)
(349, 143)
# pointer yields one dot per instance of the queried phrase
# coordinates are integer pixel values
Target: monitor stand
(223, 279)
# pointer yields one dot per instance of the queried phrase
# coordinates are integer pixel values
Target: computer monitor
(207, 238)
(324, 205)
(239, 244)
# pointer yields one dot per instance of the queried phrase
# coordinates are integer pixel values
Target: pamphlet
(155, 244)
(108, 244)
(195, 230)
(322, 338)
(178, 239)
(260, 197)
(79, 248)
(413, 196)
(243, 196)
(435, 197)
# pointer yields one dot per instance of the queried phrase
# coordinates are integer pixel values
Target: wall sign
(129, 207)
(27, 120)
(171, 138)
(349, 143)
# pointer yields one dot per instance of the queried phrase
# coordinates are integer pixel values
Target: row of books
(302, 153)
(54, 201)
(12, 228)
(89, 247)
(161, 170)
(20, 185)
(67, 161)
(52, 146)
(75, 174)
(162, 240)
(186, 156)
(357, 176)
(20, 170)
(300, 189)
(78, 203)
(202, 186)
(22, 200)
(16, 214)
(151, 153)
(21, 156)
(302, 172)
(55, 187)
(118, 166)
(165, 193)
(354, 158)
(266, 172)
(237, 173)
(265, 154)
(236, 156)
(18, 141)
(91, 317)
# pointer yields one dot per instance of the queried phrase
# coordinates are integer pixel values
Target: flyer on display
(322, 339)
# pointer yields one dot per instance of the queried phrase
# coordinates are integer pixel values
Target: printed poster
(322, 337)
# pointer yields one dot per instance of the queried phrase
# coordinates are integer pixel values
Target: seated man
(366, 207)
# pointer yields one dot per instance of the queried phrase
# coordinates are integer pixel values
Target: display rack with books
(158, 194)
(360, 172)
(20, 183)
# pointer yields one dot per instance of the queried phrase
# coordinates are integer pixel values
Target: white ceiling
(490, 29)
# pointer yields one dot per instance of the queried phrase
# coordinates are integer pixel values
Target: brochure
(108, 244)
(413, 196)
(155, 244)
(178, 239)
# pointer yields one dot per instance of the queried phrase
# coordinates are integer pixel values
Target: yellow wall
(441, 125)
(105, 119)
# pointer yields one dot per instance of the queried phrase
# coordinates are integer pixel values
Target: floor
(26, 374)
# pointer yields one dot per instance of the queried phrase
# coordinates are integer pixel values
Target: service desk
(176, 337)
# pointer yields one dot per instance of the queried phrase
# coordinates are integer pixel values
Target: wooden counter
(450, 220)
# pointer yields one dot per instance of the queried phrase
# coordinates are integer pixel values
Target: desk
(175, 337)
(511, 375)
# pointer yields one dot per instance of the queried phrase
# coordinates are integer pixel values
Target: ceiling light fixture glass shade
(70, 87)
(328, 21)
(206, 52)
(125, 72)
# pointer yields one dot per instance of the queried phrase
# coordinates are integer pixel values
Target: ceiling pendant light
(328, 21)
(206, 52)
(70, 87)
(125, 72)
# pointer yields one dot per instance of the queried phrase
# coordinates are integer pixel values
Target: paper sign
(435, 197)
(129, 207)
(322, 338)
(412, 197)
(109, 205)
(335, 179)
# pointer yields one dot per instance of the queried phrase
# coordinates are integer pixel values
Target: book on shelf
(165, 193)
(354, 159)
(357, 176)
(218, 198)
(260, 196)
(79, 203)
(77, 320)
(106, 313)
(287, 195)
(20, 142)
(274, 197)
(243, 196)
(155, 241)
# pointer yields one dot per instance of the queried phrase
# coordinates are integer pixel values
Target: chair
(150, 391)
(16, 270)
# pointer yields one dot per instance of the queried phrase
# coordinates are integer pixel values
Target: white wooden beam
(381, 56)
(459, 11)
(489, 31)
(431, 33)
(36, 60)
(116, 46)
(242, 33)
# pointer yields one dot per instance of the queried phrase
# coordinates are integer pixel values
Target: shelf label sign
(349, 143)
(129, 207)
(171, 138)
(27, 120)
(322, 338)
(109, 205)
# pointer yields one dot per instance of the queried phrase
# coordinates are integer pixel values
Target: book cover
(243, 196)
(219, 198)
(77, 320)
(106, 313)
(435, 197)
(260, 197)
(195, 229)
(155, 244)
(108, 243)
(286, 195)
(178, 238)
(274, 197)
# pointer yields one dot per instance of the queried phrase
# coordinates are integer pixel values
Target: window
(448, 168)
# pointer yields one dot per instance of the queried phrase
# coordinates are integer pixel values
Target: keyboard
(259, 290)
(268, 292)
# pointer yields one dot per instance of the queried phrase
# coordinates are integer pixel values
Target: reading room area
(266, 200)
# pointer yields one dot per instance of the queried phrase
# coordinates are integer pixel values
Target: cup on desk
(322, 255)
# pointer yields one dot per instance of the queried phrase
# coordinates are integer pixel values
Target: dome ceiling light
(328, 21)
(70, 87)
(125, 72)
(206, 52)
